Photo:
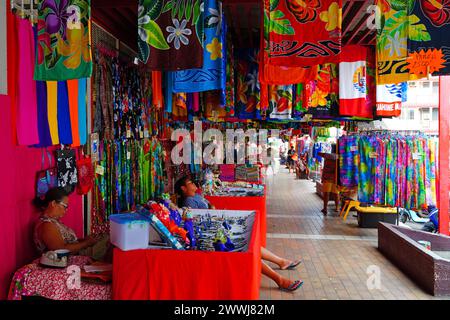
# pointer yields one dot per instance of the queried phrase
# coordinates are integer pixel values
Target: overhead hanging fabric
(429, 41)
(82, 109)
(392, 37)
(353, 82)
(321, 95)
(247, 83)
(63, 115)
(280, 102)
(26, 108)
(303, 32)
(72, 86)
(52, 110)
(212, 76)
(45, 139)
(64, 40)
(389, 99)
(170, 33)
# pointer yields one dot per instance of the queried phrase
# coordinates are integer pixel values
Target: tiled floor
(337, 255)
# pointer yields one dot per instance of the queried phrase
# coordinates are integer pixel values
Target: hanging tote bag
(67, 170)
(85, 171)
(46, 179)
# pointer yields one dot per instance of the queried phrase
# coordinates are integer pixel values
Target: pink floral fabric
(34, 280)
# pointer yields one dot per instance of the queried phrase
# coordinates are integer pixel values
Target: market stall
(167, 274)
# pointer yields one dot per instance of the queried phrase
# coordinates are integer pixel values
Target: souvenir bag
(67, 170)
(46, 179)
(85, 172)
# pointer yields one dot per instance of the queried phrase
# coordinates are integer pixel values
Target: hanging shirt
(196, 202)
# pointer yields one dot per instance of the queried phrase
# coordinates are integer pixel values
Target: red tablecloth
(244, 203)
(188, 275)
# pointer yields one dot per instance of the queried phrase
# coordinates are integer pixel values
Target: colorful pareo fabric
(429, 41)
(230, 82)
(212, 76)
(321, 96)
(349, 161)
(280, 102)
(247, 84)
(63, 40)
(170, 33)
(390, 98)
(392, 39)
(303, 32)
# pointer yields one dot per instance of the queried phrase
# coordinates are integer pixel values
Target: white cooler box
(129, 231)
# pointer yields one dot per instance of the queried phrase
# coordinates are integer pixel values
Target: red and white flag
(353, 81)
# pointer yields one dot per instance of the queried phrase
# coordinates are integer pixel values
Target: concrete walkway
(336, 254)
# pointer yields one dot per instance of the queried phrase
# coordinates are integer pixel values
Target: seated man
(187, 191)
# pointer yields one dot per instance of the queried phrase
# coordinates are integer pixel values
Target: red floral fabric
(303, 32)
(34, 280)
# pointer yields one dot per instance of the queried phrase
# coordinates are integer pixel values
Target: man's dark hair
(181, 183)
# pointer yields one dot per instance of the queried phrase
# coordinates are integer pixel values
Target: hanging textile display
(229, 85)
(212, 76)
(280, 102)
(321, 97)
(72, 87)
(45, 139)
(102, 94)
(392, 38)
(428, 41)
(298, 101)
(12, 47)
(353, 81)
(247, 84)
(128, 101)
(63, 114)
(26, 101)
(348, 161)
(64, 40)
(303, 33)
(213, 109)
(390, 98)
(179, 107)
(52, 110)
(82, 109)
(391, 169)
(169, 31)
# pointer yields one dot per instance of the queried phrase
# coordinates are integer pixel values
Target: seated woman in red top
(187, 191)
(51, 234)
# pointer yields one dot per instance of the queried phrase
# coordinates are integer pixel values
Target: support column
(444, 143)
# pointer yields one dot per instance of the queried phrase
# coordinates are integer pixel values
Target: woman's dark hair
(181, 183)
(54, 194)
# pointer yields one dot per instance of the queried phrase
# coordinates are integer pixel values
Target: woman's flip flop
(293, 286)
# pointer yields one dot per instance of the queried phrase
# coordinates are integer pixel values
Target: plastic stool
(351, 204)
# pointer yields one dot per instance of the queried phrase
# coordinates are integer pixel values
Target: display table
(244, 203)
(51, 283)
(154, 274)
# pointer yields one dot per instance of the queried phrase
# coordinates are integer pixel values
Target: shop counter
(244, 203)
(155, 274)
